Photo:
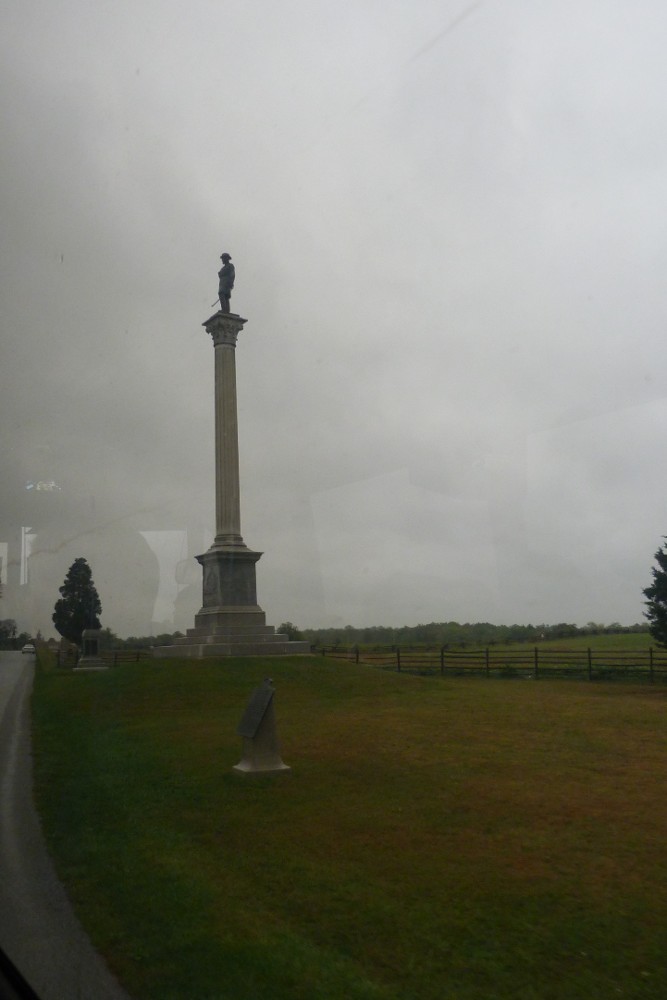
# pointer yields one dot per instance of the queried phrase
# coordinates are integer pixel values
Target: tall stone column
(224, 329)
(229, 565)
(230, 621)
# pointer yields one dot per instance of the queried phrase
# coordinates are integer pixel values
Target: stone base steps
(207, 646)
(240, 633)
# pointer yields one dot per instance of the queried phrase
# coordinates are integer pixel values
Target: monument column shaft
(227, 488)
(230, 621)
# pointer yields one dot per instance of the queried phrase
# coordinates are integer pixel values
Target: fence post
(590, 663)
(356, 654)
(650, 662)
(115, 659)
(486, 661)
(536, 657)
(398, 659)
(442, 659)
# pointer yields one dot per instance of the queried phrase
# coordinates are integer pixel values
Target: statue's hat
(225, 256)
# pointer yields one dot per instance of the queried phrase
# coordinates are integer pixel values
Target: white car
(28, 648)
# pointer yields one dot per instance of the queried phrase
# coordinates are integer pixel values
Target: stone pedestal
(229, 577)
(230, 621)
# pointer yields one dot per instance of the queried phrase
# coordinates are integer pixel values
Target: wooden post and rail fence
(111, 657)
(494, 661)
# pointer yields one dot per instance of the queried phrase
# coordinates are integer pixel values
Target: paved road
(38, 929)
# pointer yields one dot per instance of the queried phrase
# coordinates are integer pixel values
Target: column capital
(224, 328)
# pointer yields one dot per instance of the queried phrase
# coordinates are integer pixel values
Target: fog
(447, 222)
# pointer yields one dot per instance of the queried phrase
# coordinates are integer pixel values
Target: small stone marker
(90, 658)
(261, 753)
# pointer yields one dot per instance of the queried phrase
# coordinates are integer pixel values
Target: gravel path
(38, 929)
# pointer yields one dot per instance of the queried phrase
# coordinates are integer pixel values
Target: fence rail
(108, 656)
(535, 663)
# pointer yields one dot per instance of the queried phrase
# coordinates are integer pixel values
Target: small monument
(261, 752)
(90, 658)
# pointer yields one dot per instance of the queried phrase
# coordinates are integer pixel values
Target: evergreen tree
(79, 606)
(657, 599)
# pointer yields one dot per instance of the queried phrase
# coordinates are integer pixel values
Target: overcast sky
(449, 226)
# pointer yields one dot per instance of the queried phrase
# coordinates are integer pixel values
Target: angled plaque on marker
(255, 711)
(261, 752)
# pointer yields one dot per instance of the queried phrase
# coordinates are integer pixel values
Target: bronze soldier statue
(226, 276)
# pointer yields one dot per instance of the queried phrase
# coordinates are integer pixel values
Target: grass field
(629, 657)
(465, 839)
(629, 641)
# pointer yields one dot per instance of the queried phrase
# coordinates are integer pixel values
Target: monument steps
(280, 646)
(229, 632)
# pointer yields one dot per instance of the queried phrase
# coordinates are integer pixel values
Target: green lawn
(464, 839)
(629, 642)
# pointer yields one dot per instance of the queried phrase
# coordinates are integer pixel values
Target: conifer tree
(656, 596)
(79, 605)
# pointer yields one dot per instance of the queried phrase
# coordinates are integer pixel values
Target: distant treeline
(112, 641)
(438, 634)
(10, 637)
(455, 634)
